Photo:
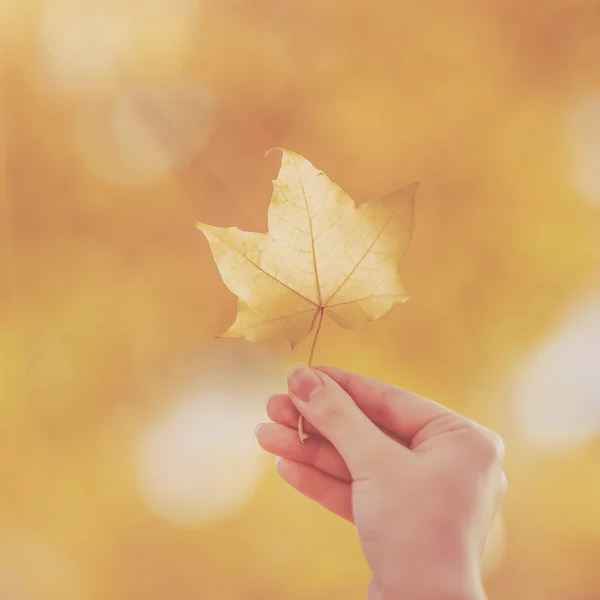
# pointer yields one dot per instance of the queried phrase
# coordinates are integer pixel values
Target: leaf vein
(310, 225)
(362, 258)
(367, 298)
(266, 272)
(281, 318)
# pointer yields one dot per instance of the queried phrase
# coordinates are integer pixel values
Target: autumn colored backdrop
(128, 463)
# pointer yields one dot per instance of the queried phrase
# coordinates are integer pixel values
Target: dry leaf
(322, 255)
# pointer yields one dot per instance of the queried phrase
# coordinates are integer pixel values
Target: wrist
(434, 592)
(444, 571)
(404, 592)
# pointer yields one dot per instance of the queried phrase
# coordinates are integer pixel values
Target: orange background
(128, 464)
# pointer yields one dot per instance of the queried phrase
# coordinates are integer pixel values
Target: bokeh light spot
(558, 394)
(143, 134)
(200, 461)
(81, 44)
(583, 135)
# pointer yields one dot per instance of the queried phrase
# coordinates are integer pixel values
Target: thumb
(323, 403)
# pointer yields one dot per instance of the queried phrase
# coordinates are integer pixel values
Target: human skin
(422, 484)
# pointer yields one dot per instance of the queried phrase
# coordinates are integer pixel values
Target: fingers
(331, 493)
(323, 403)
(316, 452)
(280, 409)
(403, 413)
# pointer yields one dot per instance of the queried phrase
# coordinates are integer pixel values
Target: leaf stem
(312, 349)
(301, 434)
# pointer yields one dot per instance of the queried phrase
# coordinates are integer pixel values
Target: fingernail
(277, 461)
(257, 428)
(303, 382)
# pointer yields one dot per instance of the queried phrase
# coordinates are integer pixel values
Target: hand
(422, 484)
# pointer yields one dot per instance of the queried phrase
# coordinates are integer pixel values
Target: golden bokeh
(127, 459)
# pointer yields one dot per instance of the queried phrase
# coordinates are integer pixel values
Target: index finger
(403, 413)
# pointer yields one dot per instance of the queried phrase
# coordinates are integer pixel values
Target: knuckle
(353, 384)
(494, 446)
(486, 445)
(387, 405)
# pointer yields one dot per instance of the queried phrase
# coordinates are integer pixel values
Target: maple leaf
(322, 255)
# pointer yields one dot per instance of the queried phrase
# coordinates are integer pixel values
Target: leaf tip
(411, 188)
(271, 150)
(284, 152)
(204, 228)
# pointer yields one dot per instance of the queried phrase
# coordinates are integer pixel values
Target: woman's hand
(422, 484)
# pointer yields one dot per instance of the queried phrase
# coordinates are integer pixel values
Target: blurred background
(128, 464)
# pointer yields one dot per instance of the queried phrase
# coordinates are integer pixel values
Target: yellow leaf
(322, 255)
